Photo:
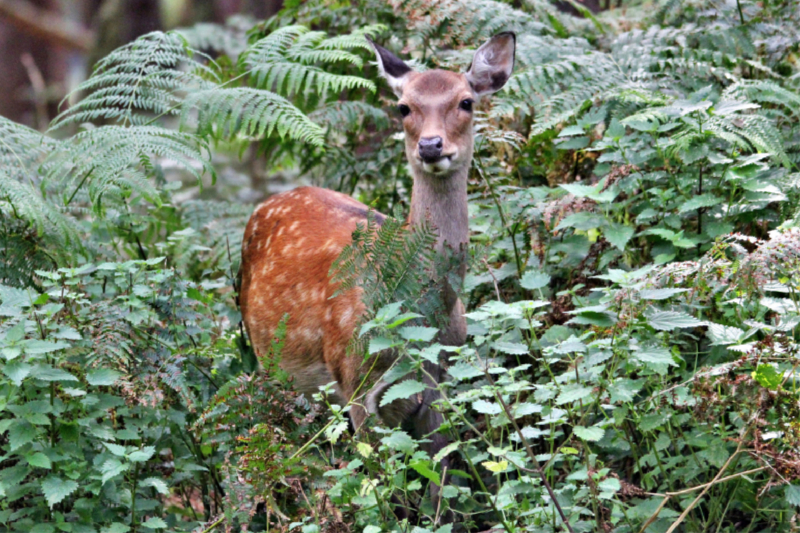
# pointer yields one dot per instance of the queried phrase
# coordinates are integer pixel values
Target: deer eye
(466, 104)
(404, 109)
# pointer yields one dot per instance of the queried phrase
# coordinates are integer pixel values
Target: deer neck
(442, 203)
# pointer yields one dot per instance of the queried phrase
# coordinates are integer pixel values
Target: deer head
(437, 105)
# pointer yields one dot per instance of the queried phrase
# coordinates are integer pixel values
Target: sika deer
(292, 239)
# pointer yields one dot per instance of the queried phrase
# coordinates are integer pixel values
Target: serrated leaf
(792, 495)
(39, 460)
(48, 373)
(618, 235)
(495, 466)
(593, 434)
(669, 320)
(400, 441)
(112, 468)
(659, 294)
(116, 449)
(487, 408)
(379, 344)
(20, 433)
(418, 333)
(17, 372)
(56, 489)
(699, 202)
(154, 522)
(140, 456)
(723, 335)
(103, 377)
(573, 393)
(533, 280)
(159, 484)
(655, 355)
(423, 468)
(36, 347)
(511, 348)
(400, 391)
(116, 527)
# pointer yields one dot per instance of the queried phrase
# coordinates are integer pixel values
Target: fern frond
(113, 161)
(254, 113)
(138, 80)
(349, 116)
(229, 38)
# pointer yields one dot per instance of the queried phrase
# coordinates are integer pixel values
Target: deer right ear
(393, 69)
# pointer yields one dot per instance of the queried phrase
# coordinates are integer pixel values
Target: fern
(284, 61)
(252, 113)
(138, 80)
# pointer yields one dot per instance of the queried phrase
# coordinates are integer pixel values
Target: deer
(292, 239)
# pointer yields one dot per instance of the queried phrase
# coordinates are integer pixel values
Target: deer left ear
(492, 64)
(392, 68)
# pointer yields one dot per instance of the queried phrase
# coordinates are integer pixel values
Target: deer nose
(430, 149)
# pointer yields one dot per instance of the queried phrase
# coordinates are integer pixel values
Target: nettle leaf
(400, 441)
(511, 348)
(103, 377)
(116, 449)
(154, 522)
(111, 468)
(20, 433)
(792, 495)
(379, 344)
(115, 527)
(618, 235)
(669, 320)
(418, 333)
(573, 393)
(17, 372)
(655, 355)
(699, 202)
(48, 373)
(423, 467)
(659, 294)
(140, 456)
(591, 434)
(723, 335)
(533, 280)
(36, 347)
(56, 489)
(39, 460)
(487, 408)
(400, 391)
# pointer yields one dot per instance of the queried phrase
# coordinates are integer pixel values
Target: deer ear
(393, 69)
(492, 64)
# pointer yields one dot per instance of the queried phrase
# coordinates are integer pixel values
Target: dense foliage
(633, 297)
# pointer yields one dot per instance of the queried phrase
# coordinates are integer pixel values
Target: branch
(45, 24)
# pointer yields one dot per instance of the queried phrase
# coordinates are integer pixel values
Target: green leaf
(400, 441)
(56, 489)
(423, 468)
(655, 355)
(140, 456)
(792, 495)
(35, 347)
(103, 377)
(400, 391)
(116, 449)
(699, 202)
(659, 294)
(533, 280)
(487, 408)
(16, 334)
(618, 235)
(573, 393)
(379, 344)
(17, 372)
(593, 434)
(418, 333)
(42, 528)
(511, 348)
(48, 373)
(158, 484)
(669, 320)
(116, 527)
(154, 523)
(111, 468)
(39, 460)
(768, 376)
(20, 433)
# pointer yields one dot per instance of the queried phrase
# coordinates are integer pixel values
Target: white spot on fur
(347, 316)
